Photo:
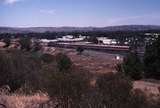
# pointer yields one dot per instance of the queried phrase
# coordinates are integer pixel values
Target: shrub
(131, 66)
(17, 69)
(68, 88)
(93, 39)
(7, 41)
(114, 90)
(47, 58)
(10, 67)
(152, 59)
(25, 43)
(138, 99)
(36, 46)
(63, 62)
(80, 50)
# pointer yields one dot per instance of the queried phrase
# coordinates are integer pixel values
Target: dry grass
(95, 62)
(147, 87)
(23, 101)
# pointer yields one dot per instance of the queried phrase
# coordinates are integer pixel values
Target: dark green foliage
(63, 62)
(25, 43)
(7, 41)
(36, 46)
(47, 58)
(93, 39)
(69, 88)
(10, 70)
(114, 90)
(80, 50)
(17, 69)
(132, 66)
(152, 59)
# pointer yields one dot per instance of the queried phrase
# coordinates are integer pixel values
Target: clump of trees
(115, 91)
(63, 62)
(25, 43)
(93, 39)
(17, 69)
(69, 88)
(47, 58)
(152, 59)
(7, 42)
(132, 67)
(36, 46)
(80, 50)
(69, 84)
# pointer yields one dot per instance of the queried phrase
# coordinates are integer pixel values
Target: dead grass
(95, 62)
(23, 101)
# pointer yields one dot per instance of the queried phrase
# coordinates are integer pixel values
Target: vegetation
(69, 88)
(17, 69)
(63, 62)
(25, 44)
(152, 59)
(7, 41)
(70, 85)
(93, 39)
(115, 92)
(80, 50)
(36, 46)
(47, 58)
(132, 66)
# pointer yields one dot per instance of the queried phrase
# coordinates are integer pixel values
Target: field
(95, 62)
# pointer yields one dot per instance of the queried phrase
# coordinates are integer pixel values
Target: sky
(78, 13)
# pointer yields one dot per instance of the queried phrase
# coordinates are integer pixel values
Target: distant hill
(71, 29)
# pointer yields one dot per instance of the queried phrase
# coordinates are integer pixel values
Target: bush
(69, 88)
(131, 67)
(10, 70)
(114, 90)
(152, 59)
(25, 44)
(93, 39)
(36, 46)
(7, 41)
(17, 69)
(80, 50)
(63, 62)
(47, 58)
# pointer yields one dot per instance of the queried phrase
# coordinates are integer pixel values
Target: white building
(107, 41)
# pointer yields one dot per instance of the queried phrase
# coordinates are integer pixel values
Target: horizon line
(79, 26)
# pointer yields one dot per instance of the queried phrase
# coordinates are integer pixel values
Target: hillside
(71, 29)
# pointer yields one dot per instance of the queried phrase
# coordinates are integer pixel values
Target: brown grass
(23, 101)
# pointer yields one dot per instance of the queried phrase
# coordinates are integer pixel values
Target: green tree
(152, 59)
(80, 50)
(131, 66)
(18, 68)
(47, 58)
(114, 90)
(93, 39)
(63, 62)
(25, 43)
(69, 88)
(7, 41)
(36, 46)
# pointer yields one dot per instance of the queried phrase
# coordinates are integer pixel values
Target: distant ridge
(71, 29)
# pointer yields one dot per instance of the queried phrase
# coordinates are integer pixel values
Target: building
(107, 41)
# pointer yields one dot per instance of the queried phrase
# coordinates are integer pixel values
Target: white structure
(47, 40)
(107, 41)
(70, 38)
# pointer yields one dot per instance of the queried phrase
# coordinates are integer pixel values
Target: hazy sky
(26, 13)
